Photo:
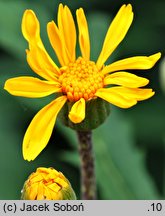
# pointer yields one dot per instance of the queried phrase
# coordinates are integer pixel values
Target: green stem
(88, 183)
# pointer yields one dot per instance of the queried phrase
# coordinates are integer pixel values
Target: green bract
(97, 110)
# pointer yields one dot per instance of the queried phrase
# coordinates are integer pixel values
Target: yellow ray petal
(113, 97)
(31, 32)
(84, 40)
(54, 187)
(116, 33)
(30, 26)
(124, 97)
(33, 191)
(31, 87)
(41, 63)
(137, 62)
(40, 194)
(36, 178)
(125, 79)
(68, 31)
(40, 129)
(77, 113)
(135, 93)
(58, 43)
(47, 193)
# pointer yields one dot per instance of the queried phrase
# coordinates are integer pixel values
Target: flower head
(78, 79)
(47, 184)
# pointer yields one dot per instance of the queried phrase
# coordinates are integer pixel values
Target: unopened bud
(47, 184)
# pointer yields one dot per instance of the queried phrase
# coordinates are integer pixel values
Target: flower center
(80, 79)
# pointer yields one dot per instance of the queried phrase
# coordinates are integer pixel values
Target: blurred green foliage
(129, 147)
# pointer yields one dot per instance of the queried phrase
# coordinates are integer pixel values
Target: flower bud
(47, 184)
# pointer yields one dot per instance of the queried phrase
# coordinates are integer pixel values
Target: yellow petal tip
(129, 6)
(60, 5)
(156, 56)
(74, 118)
(30, 25)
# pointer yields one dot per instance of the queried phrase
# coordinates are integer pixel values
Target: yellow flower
(77, 79)
(47, 184)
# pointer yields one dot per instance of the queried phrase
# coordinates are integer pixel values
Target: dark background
(129, 146)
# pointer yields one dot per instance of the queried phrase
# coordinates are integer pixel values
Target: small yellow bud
(47, 184)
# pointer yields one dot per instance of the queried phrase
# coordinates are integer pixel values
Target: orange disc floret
(80, 79)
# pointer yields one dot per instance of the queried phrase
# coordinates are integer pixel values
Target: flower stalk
(88, 182)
